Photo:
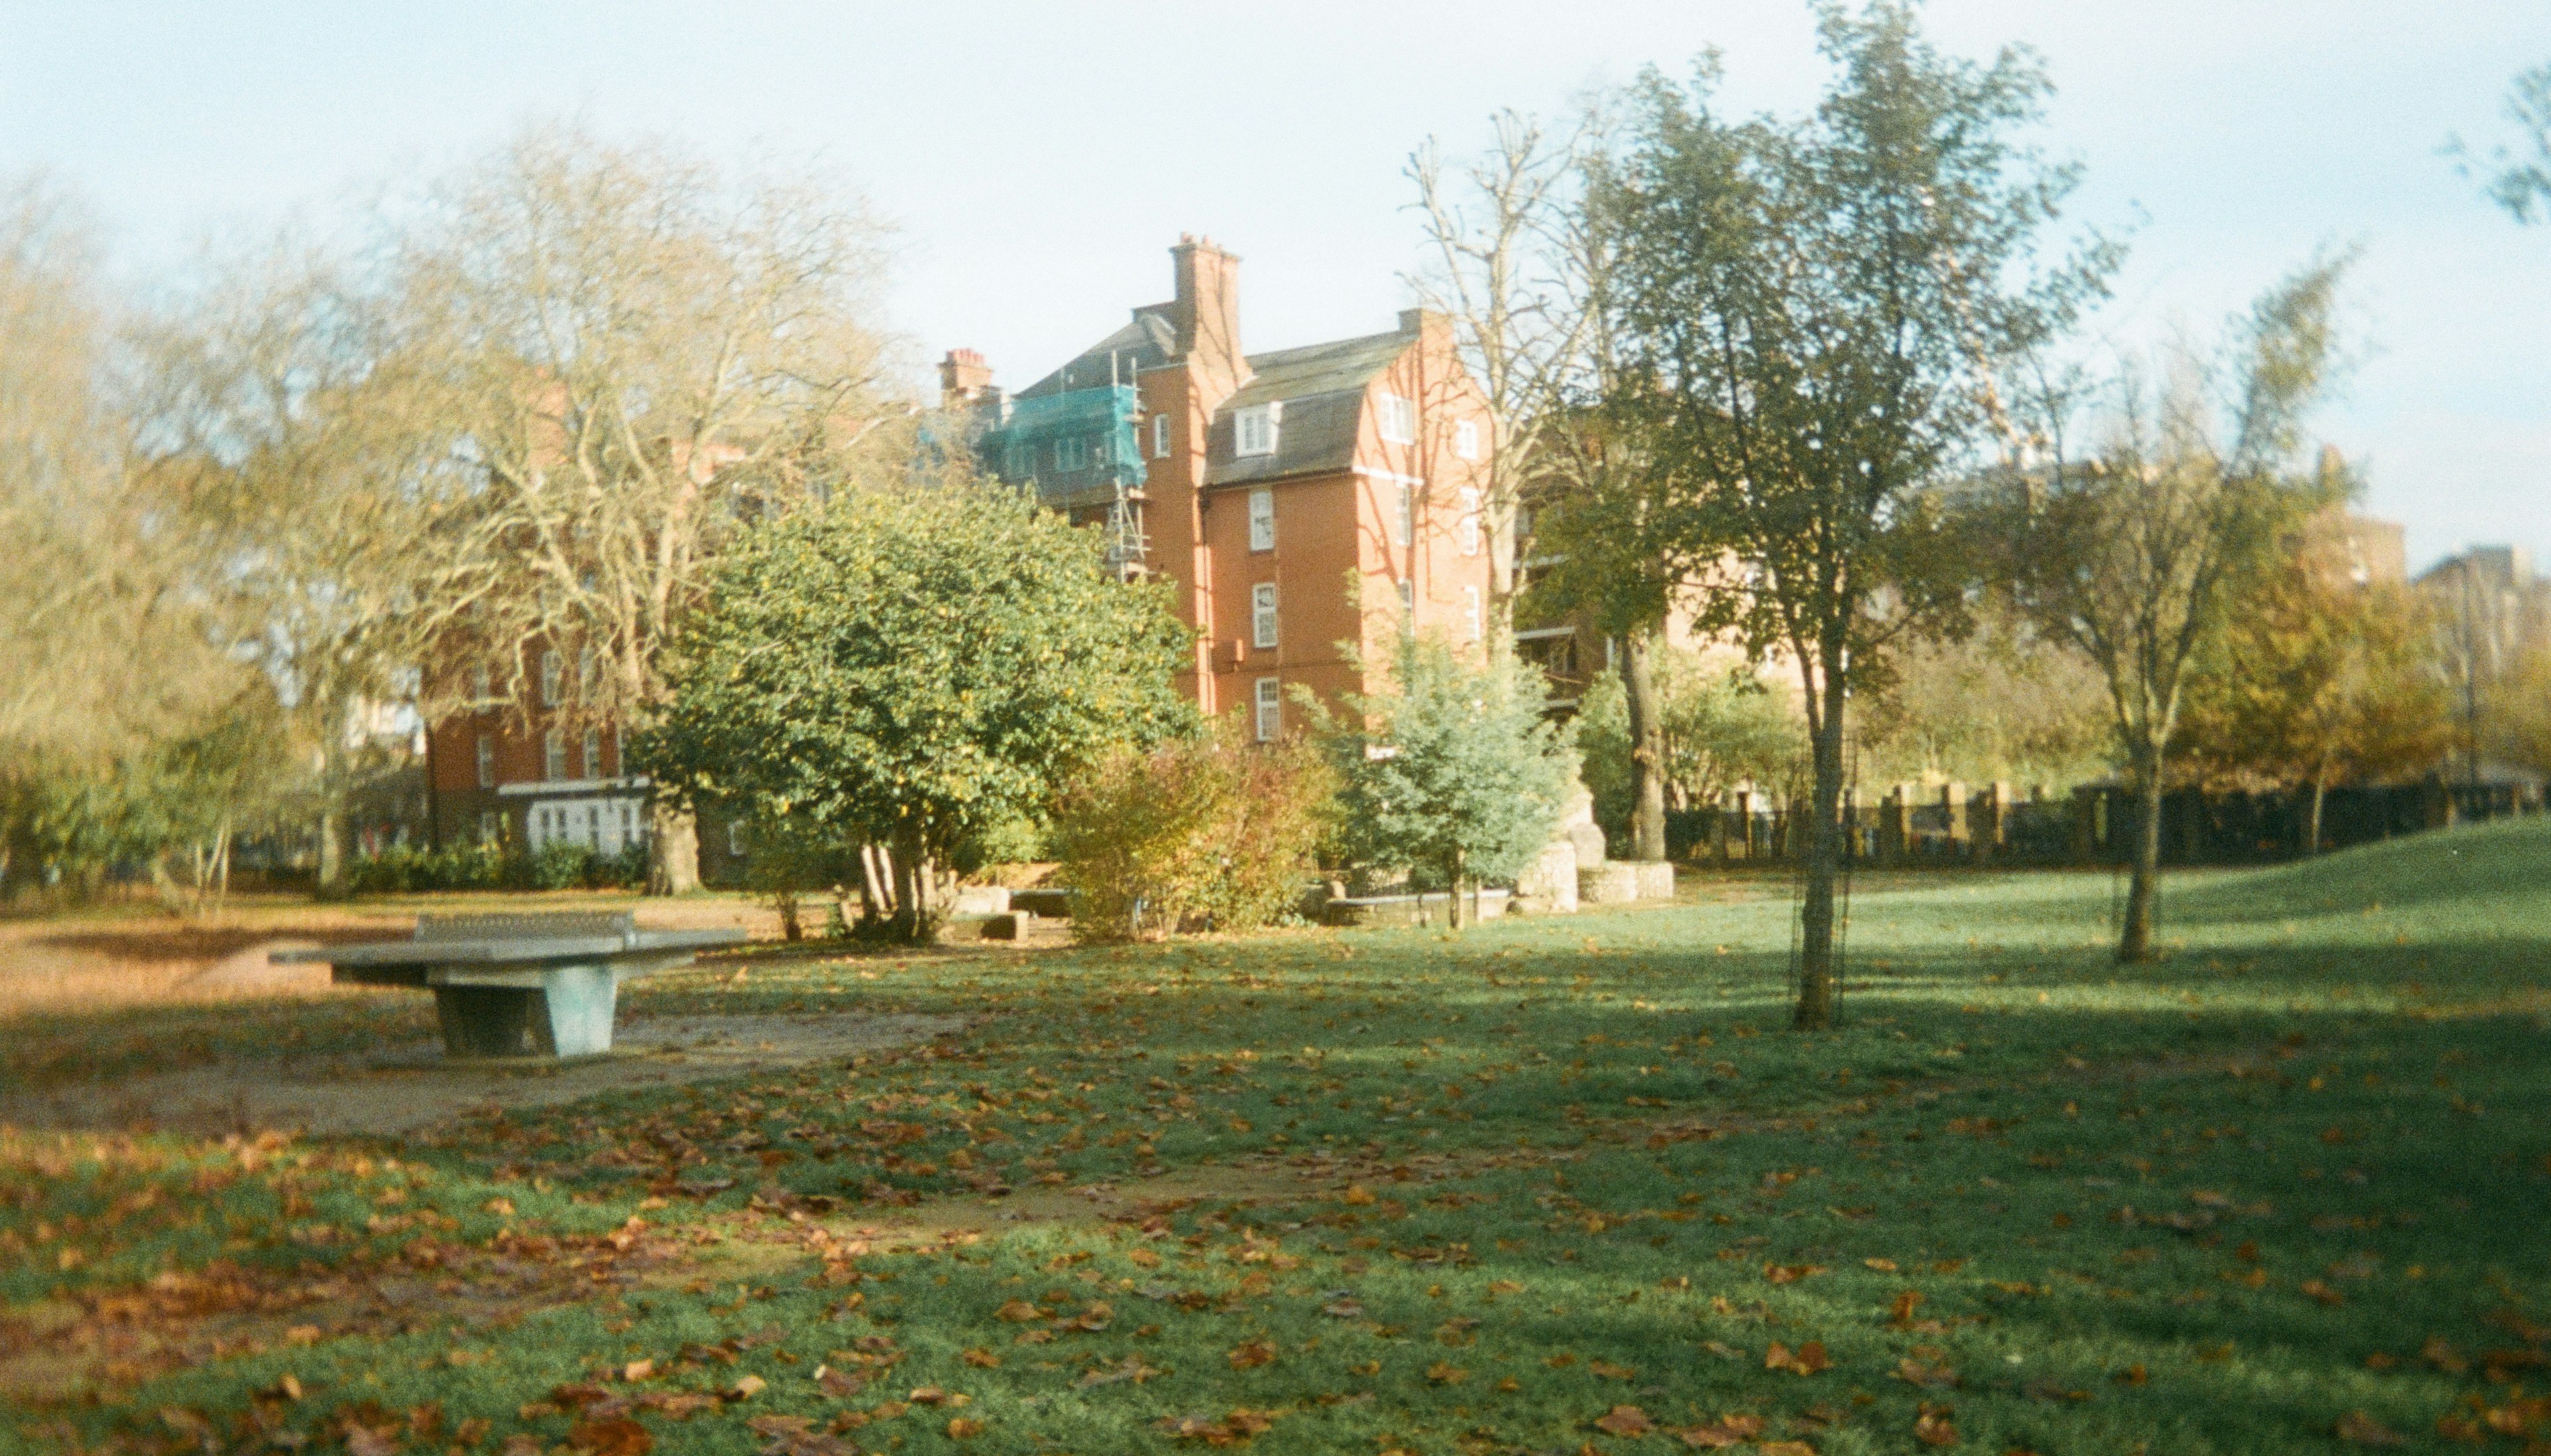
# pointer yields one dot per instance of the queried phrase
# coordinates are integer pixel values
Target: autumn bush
(1201, 833)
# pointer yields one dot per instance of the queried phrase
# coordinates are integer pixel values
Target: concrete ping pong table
(519, 986)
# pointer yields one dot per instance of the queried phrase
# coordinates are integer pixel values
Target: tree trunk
(1823, 862)
(1646, 746)
(2134, 941)
(672, 849)
(785, 903)
(2311, 817)
(911, 886)
(331, 846)
(874, 904)
(1453, 893)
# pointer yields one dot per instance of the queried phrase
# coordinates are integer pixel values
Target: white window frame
(1261, 615)
(1473, 625)
(482, 683)
(735, 839)
(1159, 437)
(1408, 604)
(553, 677)
(486, 762)
(1397, 419)
(1466, 439)
(554, 755)
(1261, 519)
(592, 753)
(585, 663)
(1254, 430)
(1270, 703)
(1468, 529)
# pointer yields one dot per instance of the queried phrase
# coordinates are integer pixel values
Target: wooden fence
(1952, 824)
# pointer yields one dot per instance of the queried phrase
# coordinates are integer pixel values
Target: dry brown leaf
(618, 1436)
(1807, 1359)
(1625, 1420)
(1934, 1427)
(1253, 1354)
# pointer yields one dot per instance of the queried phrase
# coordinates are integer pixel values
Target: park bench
(541, 984)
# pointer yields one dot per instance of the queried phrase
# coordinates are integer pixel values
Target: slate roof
(1142, 344)
(1322, 389)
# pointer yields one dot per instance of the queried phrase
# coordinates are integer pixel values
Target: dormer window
(1254, 430)
(1398, 420)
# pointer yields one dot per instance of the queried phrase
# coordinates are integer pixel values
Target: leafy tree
(1716, 728)
(788, 861)
(2520, 715)
(1816, 312)
(2316, 680)
(913, 667)
(1201, 830)
(2138, 553)
(1453, 770)
(2003, 702)
(2519, 176)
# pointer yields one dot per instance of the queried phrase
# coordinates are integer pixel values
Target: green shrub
(1196, 834)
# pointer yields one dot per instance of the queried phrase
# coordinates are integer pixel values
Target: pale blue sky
(1040, 158)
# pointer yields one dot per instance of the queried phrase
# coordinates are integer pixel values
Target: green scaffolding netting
(1069, 443)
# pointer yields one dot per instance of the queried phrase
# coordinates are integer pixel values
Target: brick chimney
(961, 377)
(1206, 312)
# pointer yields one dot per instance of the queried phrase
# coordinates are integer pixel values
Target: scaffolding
(1081, 452)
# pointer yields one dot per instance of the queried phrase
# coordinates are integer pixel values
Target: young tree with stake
(1816, 311)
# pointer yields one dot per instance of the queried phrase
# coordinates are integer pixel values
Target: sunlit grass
(2217, 1204)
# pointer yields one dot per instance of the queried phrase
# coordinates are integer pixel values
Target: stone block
(982, 900)
(1608, 884)
(1548, 886)
(1656, 879)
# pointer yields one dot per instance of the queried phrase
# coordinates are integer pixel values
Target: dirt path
(404, 1089)
(132, 956)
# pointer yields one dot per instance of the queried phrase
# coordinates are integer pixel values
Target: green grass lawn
(1553, 1185)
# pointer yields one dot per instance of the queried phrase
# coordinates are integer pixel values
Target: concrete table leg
(581, 1001)
(569, 1014)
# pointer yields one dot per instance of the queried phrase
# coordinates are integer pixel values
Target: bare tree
(1496, 225)
(2136, 552)
(644, 354)
(313, 469)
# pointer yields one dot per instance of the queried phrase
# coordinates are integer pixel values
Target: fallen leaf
(1018, 1311)
(618, 1436)
(1933, 1426)
(983, 1358)
(1929, 1377)
(1725, 1431)
(1609, 1371)
(746, 1387)
(1253, 1354)
(1445, 1373)
(1625, 1420)
(1807, 1359)
(962, 1428)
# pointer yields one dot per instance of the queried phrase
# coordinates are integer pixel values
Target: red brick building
(535, 772)
(1297, 499)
